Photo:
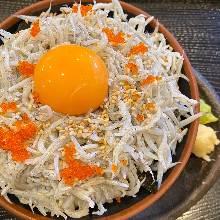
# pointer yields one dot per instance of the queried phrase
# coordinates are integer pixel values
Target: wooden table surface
(196, 25)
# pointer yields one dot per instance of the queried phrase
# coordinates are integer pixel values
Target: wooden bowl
(129, 206)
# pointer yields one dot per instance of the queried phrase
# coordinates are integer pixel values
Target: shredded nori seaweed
(149, 183)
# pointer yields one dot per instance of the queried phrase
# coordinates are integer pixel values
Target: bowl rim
(136, 208)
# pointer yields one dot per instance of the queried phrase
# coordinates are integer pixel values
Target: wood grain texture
(196, 25)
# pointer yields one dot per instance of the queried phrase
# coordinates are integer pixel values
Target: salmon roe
(132, 67)
(77, 170)
(150, 106)
(35, 29)
(25, 68)
(8, 106)
(83, 8)
(113, 38)
(149, 80)
(114, 168)
(140, 118)
(124, 162)
(141, 48)
(14, 140)
(36, 97)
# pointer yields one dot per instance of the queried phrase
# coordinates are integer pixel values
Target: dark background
(196, 25)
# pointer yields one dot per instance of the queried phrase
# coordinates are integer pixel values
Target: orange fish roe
(140, 48)
(35, 29)
(118, 199)
(149, 80)
(151, 106)
(77, 170)
(25, 117)
(140, 118)
(114, 168)
(113, 38)
(83, 8)
(20, 155)
(132, 67)
(124, 162)
(8, 106)
(69, 152)
(15, 140)
(36, 97)
(25, 68)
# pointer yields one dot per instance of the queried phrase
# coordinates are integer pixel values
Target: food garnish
(8, 106)
(76, 169)
(205, 142)
(14, 139)
(113, 38)
(25, 68)
(35, 29)
(140, 48)
(206, 137)
(132, 67)
(84, 9)
(150, 79)
(207, 116)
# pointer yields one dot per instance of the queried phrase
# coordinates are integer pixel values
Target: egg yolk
(71, 79)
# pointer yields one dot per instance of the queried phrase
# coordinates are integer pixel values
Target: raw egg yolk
(71, 79)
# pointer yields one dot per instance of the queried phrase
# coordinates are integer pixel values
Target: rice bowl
(125, 124)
